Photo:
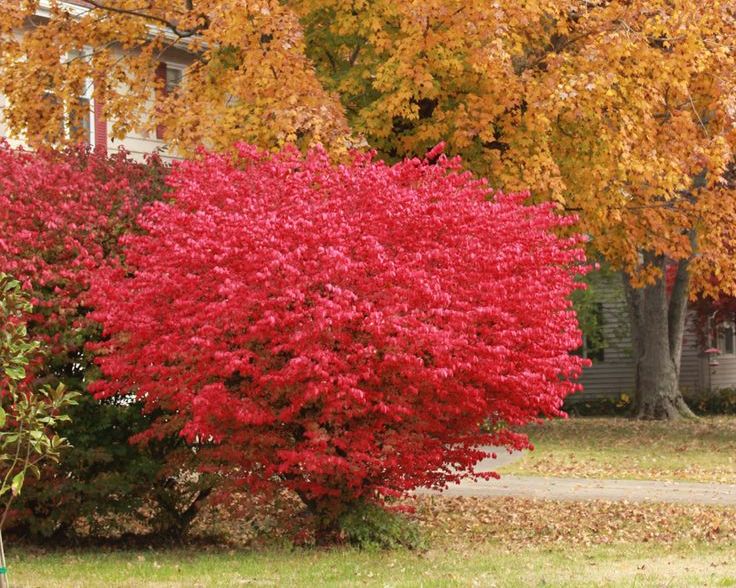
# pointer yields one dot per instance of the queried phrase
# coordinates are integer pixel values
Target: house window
(76, 120)
(81, 129)
(78, 127)
(174, 76)
(726, 337)
(52, 102)
(171, 76)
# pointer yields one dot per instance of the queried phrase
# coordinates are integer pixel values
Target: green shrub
(29, 415)
(721, 401)
(369, 526)
(578, 405)
(106, 487)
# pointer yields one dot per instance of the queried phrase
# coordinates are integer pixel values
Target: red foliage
(60, 216)
(343, 330)
(708, 314)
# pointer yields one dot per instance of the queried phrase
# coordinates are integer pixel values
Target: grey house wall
(694, 364)
(722, 375)
(614, 375)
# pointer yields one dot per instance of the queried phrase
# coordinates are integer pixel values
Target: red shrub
(60, 217)
(343, 330)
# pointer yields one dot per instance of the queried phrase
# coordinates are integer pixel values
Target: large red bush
(344, 330)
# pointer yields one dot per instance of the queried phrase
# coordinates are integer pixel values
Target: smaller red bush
(60, 217)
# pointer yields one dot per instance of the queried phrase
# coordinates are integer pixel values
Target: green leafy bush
(108, 488)
(29, 414)
(578, 405)
(369, 526)
(721, 401)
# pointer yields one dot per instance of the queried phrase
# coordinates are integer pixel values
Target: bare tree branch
(171, 25)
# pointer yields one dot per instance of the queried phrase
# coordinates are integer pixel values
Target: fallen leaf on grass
(521, 522)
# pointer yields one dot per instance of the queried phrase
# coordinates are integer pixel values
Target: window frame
(88, 97)
(162, 72)
(726, 337)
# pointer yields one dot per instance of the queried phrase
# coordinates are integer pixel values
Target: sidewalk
(589, 489)
(586, 488)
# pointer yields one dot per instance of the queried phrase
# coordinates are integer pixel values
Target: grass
(503, 542)
(486, 564)
(506, 542)
(701, 450)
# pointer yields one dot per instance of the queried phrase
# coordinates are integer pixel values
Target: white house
(173, 62)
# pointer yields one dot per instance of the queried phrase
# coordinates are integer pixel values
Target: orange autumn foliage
(620, 110)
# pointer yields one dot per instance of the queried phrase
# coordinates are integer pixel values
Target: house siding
(693, 363)
(723, 375)
(615, 375)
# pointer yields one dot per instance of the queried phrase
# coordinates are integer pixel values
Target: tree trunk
(657, 329)
(325, 515)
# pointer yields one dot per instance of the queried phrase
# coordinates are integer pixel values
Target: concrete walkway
(585, 488)
(503, 457)
(588, 489)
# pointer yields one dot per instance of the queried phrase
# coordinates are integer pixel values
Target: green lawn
(502, 542)
(702, 450)
(485, 564)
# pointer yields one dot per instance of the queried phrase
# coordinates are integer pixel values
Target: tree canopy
(248, 79)
(621, 111)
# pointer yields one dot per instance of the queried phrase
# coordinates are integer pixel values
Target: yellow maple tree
(247, 78)
(620, 110)
(643, 136)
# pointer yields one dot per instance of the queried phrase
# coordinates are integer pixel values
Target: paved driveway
(503, 457)
(586, 489)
